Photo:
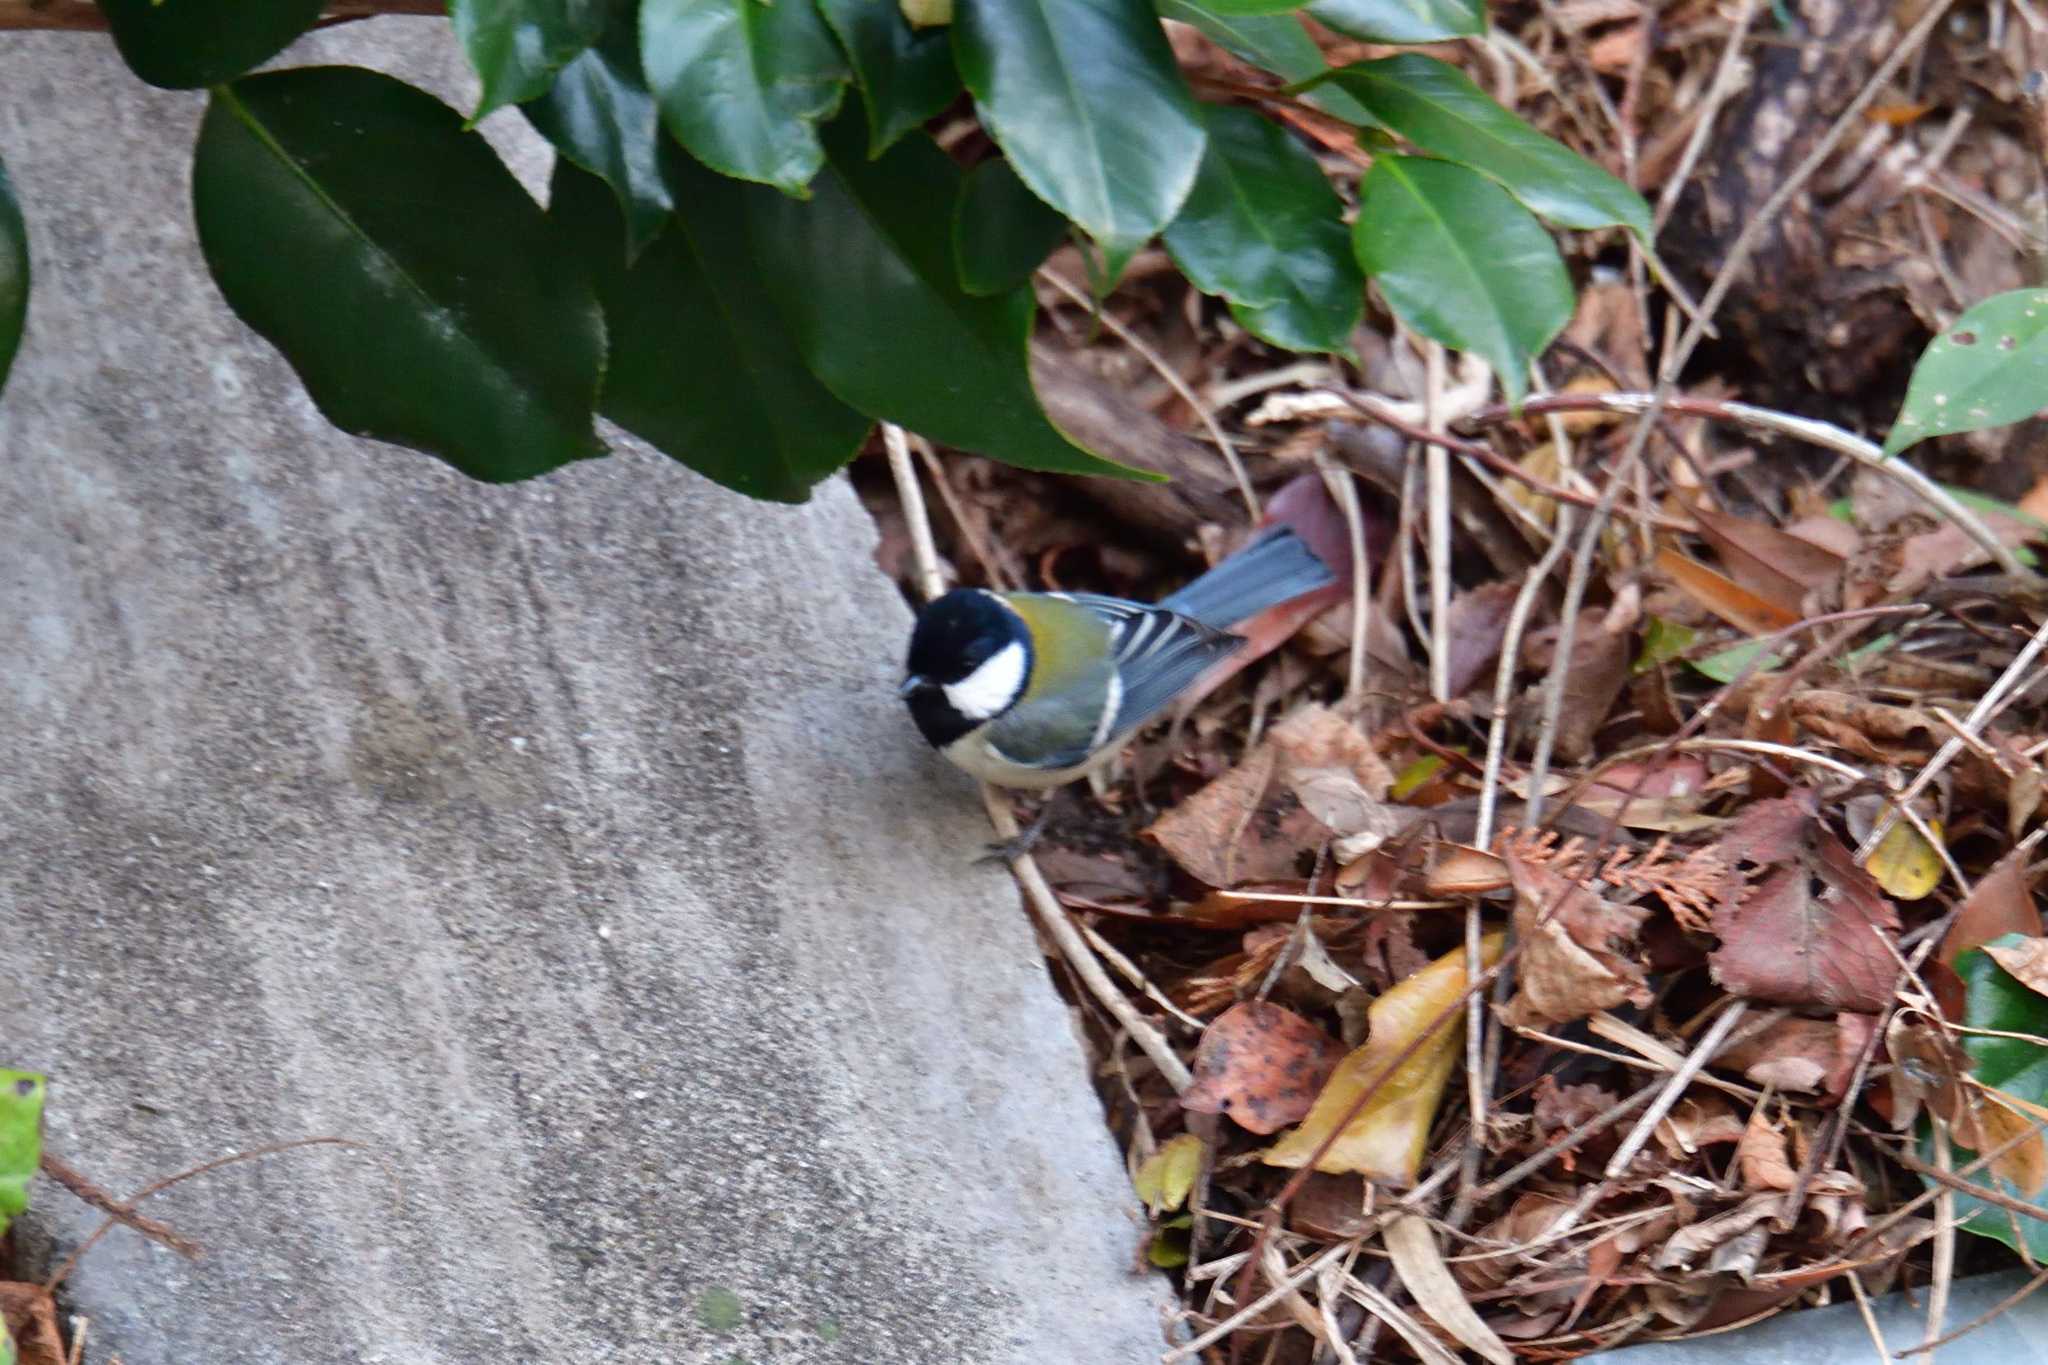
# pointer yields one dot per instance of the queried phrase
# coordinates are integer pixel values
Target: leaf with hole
(1002, 232)
(1086, 100)
(13, 275)
(864, 276)
(1402, 21)
(1462, 262)
(1263, 228)
(517, 46)
(600, 115)
(190, 43)
(21, 1139)
(744, 85)
(1439, 109)
(702, 367)
(340, 212)
(905, 74)
(1989, 368)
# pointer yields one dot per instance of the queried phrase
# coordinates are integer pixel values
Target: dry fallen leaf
(1778, 567)
(2002, 903)
(1599, 670)
(1385, 1139)
(1723, 596)
(1813, 932)
(1696, 1122)
(1761, 1155)
(1261, 1065)
(2027, 962)
(1477, 622)
(1411, 1246)
(1570, 967)
(1792, 1054)
(1238, 829)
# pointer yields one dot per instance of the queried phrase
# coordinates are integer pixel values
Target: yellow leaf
(1905, 864)
(1385, 1140)
(1164, 1178)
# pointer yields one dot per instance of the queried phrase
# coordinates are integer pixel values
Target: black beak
(916, 682)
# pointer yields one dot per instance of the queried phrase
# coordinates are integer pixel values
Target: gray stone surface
(563, 843)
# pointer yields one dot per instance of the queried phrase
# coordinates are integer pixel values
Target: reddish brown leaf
(1599, 670)
(1777, 567)
(1261, 1065)
(2001, 904)
(1792, 1054)
(1238, 829)
(1723, 596)
(1570, 965)
(1761, 1156)
(1477, 622)
(1810, 934)
(2027, 962)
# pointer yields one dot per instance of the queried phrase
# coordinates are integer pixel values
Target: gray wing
(1158, 654)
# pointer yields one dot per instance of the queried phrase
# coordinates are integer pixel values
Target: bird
(1032, 690)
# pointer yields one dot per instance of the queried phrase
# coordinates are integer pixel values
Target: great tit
(1033, 689)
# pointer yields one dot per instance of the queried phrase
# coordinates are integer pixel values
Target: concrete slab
(563, 843)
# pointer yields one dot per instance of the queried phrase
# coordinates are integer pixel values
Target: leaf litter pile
(1610, 915)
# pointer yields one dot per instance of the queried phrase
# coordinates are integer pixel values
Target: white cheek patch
(989, 690)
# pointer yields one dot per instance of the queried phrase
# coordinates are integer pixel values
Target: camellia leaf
(1438, 108)
(1462, 262)
(599, 115)
(1002, 232)
(13, 275)
(1263, 228)
(702, 367)
(1995, 1000)
(189, 43)
(1273, 42)
(1402, 21)
(1255, 6)
(1989, 368)
(21, 1139)
(905, 74)
(864, 275)
(1085, 98)
(1385, 1139)
(414, 286)
(517, 46)
(744, 85)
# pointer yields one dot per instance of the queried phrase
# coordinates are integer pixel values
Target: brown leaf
(1723, 596)
(1599, 670)
(1477, 622)
(1261, 1065)
(1809, 933)
(1419, 1261)
(1531, 1216)
(1792, 1054)
(1238, 829)
(1761, 1155)
(1868, 729)
(1696, 1122)
(1570, 967)
(2001, 904)
(1776, 566)
(1563, 1106)
(2027, 962)
(1987, 1122)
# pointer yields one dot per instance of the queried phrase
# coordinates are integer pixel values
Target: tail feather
(1276, 566)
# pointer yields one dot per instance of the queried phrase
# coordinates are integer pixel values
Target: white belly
(973, 754)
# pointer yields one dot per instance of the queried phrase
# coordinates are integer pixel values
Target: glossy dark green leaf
(183, 44)
(1439, 109)
(1263, 228)
(21, 1139)
(1276, 43)
(905, 74)
(517, 46)
(864, 276)
(1086, 100)
(13, 275)
(1402, 21)
(744, 85)
(1995, 1000)
(1254, 7)
(1002, 232)
(600, 115)
(1989, 368)
(417, 290)
(1462, 262)
(702, 366)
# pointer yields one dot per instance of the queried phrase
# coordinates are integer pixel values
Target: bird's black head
(970, 658)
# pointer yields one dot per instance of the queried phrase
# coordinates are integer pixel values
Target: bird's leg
(1010, 850)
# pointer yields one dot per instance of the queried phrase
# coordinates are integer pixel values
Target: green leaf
(1263, 228)
(1663, 641)
(743, 84)
(1240, 7)
(1725, 666)
(1402, 21)
(1436, 107)
(1001, 230)
(21, 1139)
(8, 1355)
(864, 275)
(1085, 98)
(702, 367)
(1276, 43)
(13, 275)
(416, 289)
(517, 46)
(600, 115)
(1996, 1000)
(1462, 262)
(183, 44)
(1988, 369)
(905, 74)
